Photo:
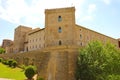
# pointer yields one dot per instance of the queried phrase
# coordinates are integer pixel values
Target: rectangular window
(60, 43)
(81, 43)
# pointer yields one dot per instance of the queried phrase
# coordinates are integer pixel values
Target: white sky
(31, 12)
(99, 15)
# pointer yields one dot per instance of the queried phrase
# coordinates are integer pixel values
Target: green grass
(11, 73)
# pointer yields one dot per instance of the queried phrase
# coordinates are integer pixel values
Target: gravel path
(5, 79)
(35, 78)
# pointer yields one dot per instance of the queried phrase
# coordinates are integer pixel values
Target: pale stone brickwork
(7, 45)
(36, 39)
(59, 26)
(6, 42)
(19, 38)
(84, 36)
(9, 49)
(60, 29)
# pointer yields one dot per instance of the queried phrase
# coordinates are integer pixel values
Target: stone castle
(60, 29)
(53, 49)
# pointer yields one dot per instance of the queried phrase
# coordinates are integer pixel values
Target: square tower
(59, 26)
(19, 38)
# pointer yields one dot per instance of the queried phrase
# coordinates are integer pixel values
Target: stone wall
(37, 58)
(51, 64)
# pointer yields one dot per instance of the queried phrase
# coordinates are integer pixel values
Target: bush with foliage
(30, 72)
(98, 61)
(2, 50)
(10, 61)
(1, 59)
(14, 64)
(5, 62)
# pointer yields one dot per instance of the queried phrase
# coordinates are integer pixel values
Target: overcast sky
(99, 15)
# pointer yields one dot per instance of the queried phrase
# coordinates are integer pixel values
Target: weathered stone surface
(55, 64)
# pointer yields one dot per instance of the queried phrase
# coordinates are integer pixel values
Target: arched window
(60, 43)
(80, 36)
(59, 30)
(59, 18)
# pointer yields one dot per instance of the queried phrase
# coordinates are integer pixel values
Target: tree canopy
(98, 61)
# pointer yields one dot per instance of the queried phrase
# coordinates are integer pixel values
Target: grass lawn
(11, 73)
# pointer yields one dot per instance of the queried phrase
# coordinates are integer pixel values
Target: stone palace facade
(60, 29)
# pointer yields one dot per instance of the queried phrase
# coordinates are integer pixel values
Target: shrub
(14, 64)
(10, 62)
(2, 50)
(5, 62)
(1, 59)
(30, 72)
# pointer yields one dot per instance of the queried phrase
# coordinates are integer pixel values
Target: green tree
(2, 50)
(97, 62)
(30, 72)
